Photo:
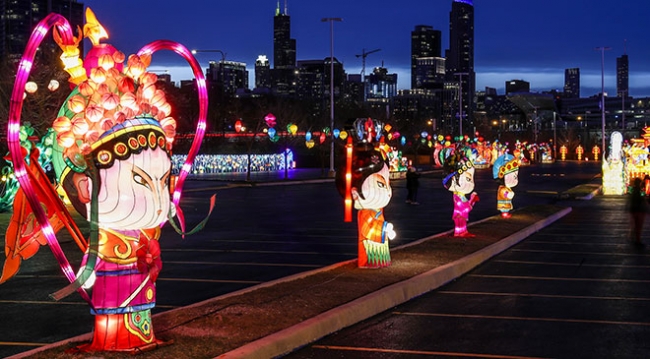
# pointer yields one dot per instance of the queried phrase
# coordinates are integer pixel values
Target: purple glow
(203, 111)
(13, 140)
(468, 2)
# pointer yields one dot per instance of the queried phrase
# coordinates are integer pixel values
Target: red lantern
(322, 137)
(238, 125)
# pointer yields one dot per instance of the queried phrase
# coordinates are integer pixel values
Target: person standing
(412, 184)
(638, 208)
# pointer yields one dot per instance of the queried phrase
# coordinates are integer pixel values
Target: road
(576, 289)
(256, 234)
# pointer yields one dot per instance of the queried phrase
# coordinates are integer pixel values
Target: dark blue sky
(514, 39)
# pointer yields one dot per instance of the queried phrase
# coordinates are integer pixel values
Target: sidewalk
(274, 318)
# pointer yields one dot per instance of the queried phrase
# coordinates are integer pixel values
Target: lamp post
(602, 92)
(460, 100)
(221, 63)
(331, 20)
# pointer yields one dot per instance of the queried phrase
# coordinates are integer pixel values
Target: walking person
(412, 184)
(638, 207)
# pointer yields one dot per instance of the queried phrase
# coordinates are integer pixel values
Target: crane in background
(363, 56)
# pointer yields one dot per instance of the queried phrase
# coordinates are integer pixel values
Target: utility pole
(460, 100)
(363, 56)
(602, 93)
(331, 20)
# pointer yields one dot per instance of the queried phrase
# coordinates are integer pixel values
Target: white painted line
(555, 296)
(615, 280)
(208, 280)
(419, 352)
(574, 264)
(533, 319)
(248, 264)
(583, 253)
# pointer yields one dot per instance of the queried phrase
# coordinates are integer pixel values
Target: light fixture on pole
(221, 64)
(331, 20)
(460, 100)
(602, 92)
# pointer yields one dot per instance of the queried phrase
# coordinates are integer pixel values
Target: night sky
(514, 39)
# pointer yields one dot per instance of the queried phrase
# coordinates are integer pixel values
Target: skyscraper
(460, 56)
(622, 76)
(20, 17)
(425, 42)
(284, 47)
(572, 83)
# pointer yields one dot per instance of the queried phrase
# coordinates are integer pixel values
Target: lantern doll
(506, 172)
(579, 152)
(563, 152)
(460, 181)
(112, 158)
(596, 152)
(366, 180)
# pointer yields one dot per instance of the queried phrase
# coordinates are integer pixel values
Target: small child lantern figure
(366, 182)
(506, 172)
(112, 158)
(460, 181)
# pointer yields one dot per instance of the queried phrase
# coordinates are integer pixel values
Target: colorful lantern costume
(506, 172)
(460, 181)
(112, 158)
(369, 188)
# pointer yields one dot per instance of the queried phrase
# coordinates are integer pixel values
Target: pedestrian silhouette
(412, 184)
(638, 207)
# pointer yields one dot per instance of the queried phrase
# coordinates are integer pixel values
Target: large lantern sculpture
(364, 182)
(112, 146)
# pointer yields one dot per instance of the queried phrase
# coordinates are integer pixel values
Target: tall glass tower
(460, 56)
(622, 76)
(284, 47)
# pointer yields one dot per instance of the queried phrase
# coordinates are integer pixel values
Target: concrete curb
(287, 340)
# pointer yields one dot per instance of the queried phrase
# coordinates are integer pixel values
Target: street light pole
(331, 20)
(221, 64)
(602, 92)
(460, 100)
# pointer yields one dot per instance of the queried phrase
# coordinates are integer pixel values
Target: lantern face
(465, 182)
(511, 179)
(376, 190)
(134, 193)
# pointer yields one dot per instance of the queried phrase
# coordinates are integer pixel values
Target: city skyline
(508, 43)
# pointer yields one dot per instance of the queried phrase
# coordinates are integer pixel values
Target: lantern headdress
(505, 164)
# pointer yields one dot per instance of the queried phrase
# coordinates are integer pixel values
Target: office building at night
(460, 55)
(572, 83)
(425, 44)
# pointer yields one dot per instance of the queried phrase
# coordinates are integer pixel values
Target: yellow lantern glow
(31, 87)
(309, 143)
(293, 128)
(343, 135)
(53, 85)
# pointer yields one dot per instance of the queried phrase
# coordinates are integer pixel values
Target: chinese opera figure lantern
(506, 172)
(365, 181)
(112, 158)
(579, 152)
(460, 181)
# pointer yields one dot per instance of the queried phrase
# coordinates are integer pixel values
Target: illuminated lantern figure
(460, 181)
(369, 189)
(596, 152)
(506, 172)
(579, 152)
(112, 148)
(563, 152)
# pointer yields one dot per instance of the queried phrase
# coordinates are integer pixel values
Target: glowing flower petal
(106, 124)
(77, 103)
(106, 61)
(128, 100)
(79, 126)
(119, 57)
(149, 78)
(126, 85)
(94, 113)
(148, 91)
(87, 88)
(91, 136)
(98, 75)
(110, 101)
(65, 139)
(62, 124)
(158, 98)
